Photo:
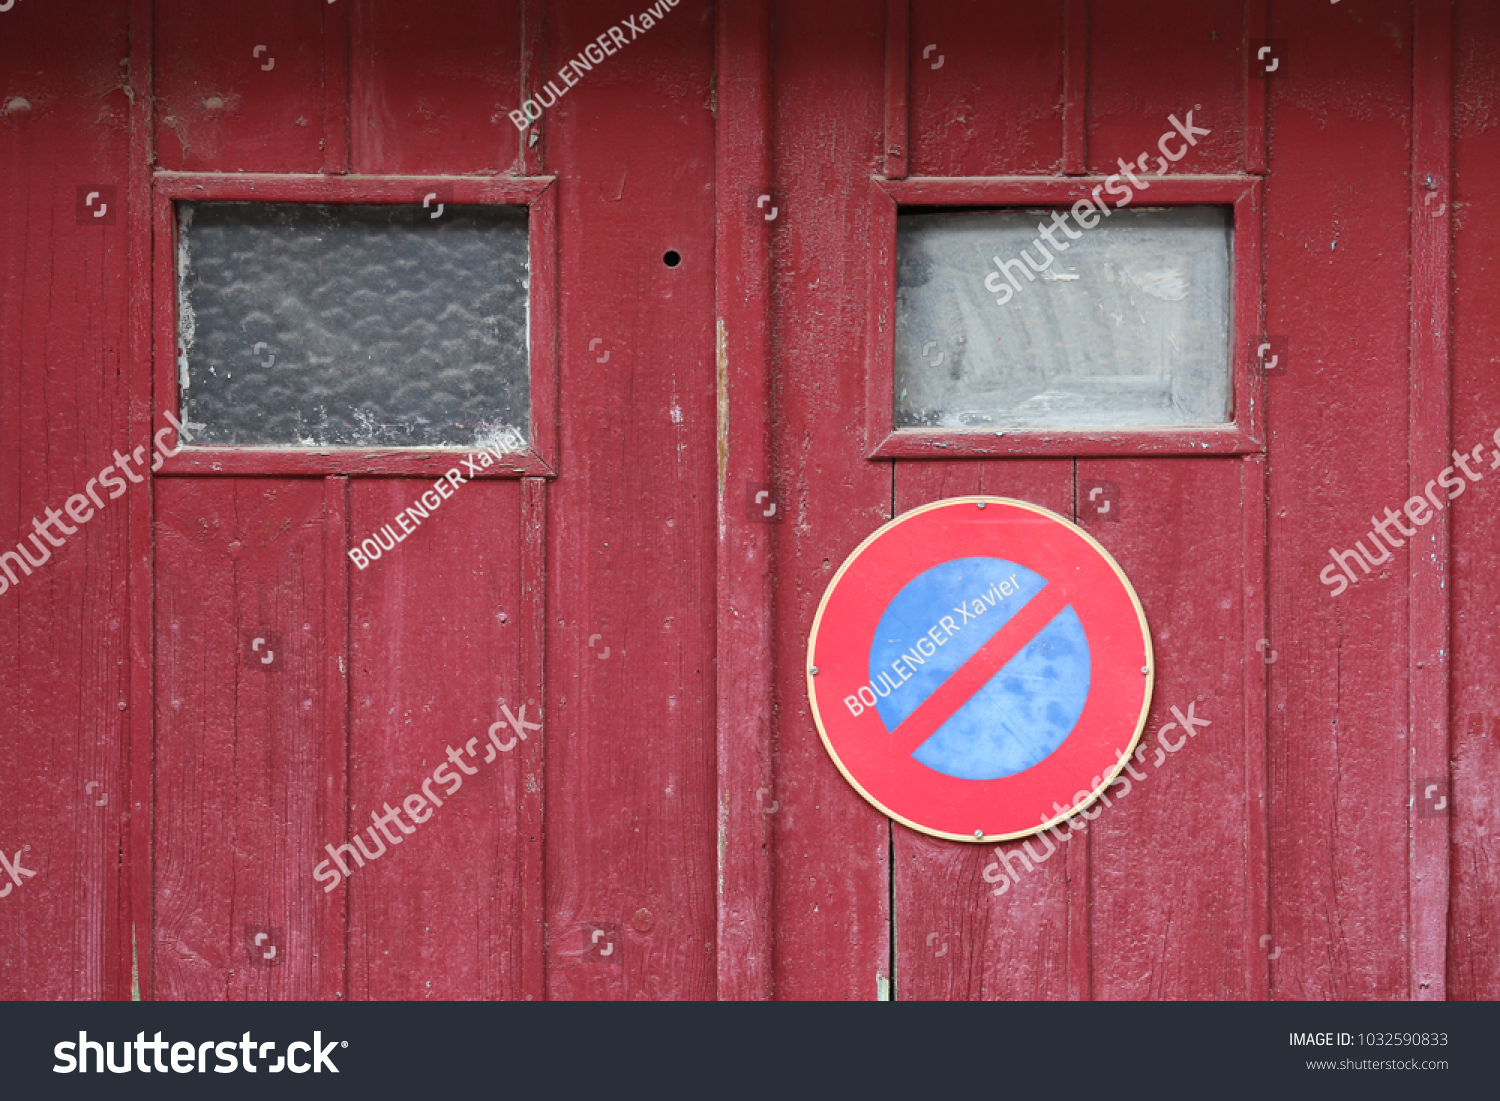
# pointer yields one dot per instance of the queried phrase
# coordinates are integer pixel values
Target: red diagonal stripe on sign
(975, 673)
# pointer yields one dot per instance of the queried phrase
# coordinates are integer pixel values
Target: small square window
(1125, 324)
(345, 325)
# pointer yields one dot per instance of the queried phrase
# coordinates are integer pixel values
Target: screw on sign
(976, 661)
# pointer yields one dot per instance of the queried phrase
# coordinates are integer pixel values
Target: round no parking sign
(979, 668)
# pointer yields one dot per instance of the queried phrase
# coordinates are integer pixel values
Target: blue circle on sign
(1024, 712)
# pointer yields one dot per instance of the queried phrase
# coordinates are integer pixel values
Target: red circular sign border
(1105, 558)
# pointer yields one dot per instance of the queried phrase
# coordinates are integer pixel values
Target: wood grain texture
(133, 975)
(744, 688)
(1075, 157)
(335, 88)
(1338, 201)
(333, 807)
(897, 88)
(436, 629)
(240, 746)
(531, 910)
(994, 106)
(430, 88)
(1430, 412)
(1169, 858)
(531, 142)
(833, 938)
(1473, 928)
(1258, 670)
(1148, 63)
(1256, 90)
(64, 678)
(218, 104)
(631, 776)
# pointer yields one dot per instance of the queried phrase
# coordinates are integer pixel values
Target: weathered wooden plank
(1473, 927)
(333, 795)
(63, 409)
(832, 848)
(1430, 584)
(530, 142)
(531, 909)
(1130, 103)
(631, 776)
(436, 631)
(1170, 916)
(1337, 209)
(744, 685)
(135, 954)
(1256, 89)
(429, 90)
(240, 749)
(987, 98)
(1075, 158)
(1257, 675)
(241, 89)
(897, 88)
(335, 45)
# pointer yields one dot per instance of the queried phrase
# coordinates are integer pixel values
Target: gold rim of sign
(1140, 613)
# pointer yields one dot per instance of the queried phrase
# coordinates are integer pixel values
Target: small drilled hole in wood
(672, 258)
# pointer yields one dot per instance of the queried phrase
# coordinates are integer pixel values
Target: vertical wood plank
(1130, 104)
(333, 912)
(64, 331)
(1075, 157)
(631, 776)
(1474, 798)
(135, 969)
(429, 90)
(744, 679)
(1429, 560)
(1256, 90)
(990, 98)
(219, 108)
(437, 627)
(532, 823)
(897, 87)
(833, 936)
(240, 741)
(1259, 661)
(533, 146)
(1339, 736)
(1168, 859)
(335, 45)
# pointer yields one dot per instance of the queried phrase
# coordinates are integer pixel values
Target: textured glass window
(1124, 324)
(341, 326)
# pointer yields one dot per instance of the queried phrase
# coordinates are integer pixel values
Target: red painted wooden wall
(677, 806)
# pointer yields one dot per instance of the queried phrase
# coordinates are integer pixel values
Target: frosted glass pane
(1128, 326)
(338, 326)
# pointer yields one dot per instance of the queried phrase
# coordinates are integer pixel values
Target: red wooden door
(202, 695)
(1292, 849)
(569, 587)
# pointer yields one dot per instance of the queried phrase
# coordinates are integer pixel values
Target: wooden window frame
(1243, 434)
(538, 194)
